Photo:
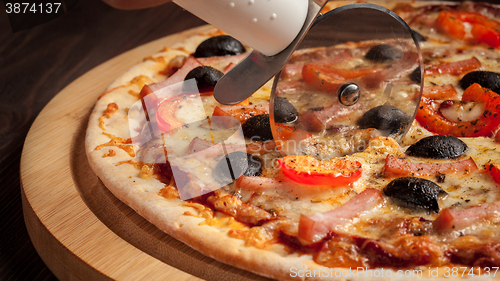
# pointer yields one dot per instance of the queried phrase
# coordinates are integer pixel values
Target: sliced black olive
(418, 36)
(416, 75)
(234, 164)
(486, 79)
(205, 76)
(414, 193)
(284, 111)
(385, 118)
(384, 53)
(438, 147)
(258, 128)
(223, 45)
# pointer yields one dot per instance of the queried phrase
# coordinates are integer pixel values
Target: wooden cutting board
(80, 230)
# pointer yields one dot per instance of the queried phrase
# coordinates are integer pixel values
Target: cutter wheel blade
(351, 78)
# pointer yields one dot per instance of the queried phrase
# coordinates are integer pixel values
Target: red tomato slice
(165, 114)
(308, 170)
(435, 122)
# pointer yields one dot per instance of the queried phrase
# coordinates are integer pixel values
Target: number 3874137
(36, 8)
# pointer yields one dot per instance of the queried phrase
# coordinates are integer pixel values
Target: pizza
(410, 196)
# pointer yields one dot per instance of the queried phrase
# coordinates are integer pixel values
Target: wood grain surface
(38, 63)
(79, 228)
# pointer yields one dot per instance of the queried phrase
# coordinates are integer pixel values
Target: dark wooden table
(37, 63)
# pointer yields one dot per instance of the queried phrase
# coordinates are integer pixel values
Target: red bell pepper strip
(448, 23)
(435, 122)
(494, 169)
(308, 170)
(484, 29)
(313, 76)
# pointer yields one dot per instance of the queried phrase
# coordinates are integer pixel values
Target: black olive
(416, 75)
(205, 76)
(414, 193)
(384, 53)
(223, 45)
(438, 147)
(258, 128)
(234, 164)
(284, 111)
(385, 118)
(418, 36)
(486, 79)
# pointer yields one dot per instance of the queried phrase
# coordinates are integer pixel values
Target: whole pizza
(221, 178)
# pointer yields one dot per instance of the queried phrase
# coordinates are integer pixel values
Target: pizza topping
(384, 53)
(461, 111)
(414, 193)
(258, 128)
(223, 45)
(437, 147)
(384, 118)
(317, 119)
(242, 113)
(401, 167)
(287, 133)
(440, 92)
(453, 68)
(308, 170)
(494, 169)
(284, 111)
(454, 220)
(434, 121)
(487, 79)
(235, 164)
(206, 77)
(416, 75)
(243, 212)
(484, 29)
(313, 228)
(165, 114)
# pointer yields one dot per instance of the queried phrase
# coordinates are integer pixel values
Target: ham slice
(454, 68)
(401, 167)
(315, 227)
(315, 120)
(450, 220)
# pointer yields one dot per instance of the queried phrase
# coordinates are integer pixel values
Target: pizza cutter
(356, 74)
(272, 28)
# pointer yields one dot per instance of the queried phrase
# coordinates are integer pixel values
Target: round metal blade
(357, 74)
